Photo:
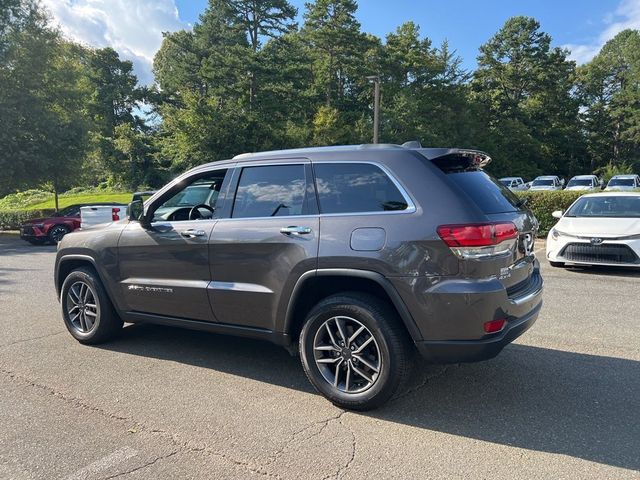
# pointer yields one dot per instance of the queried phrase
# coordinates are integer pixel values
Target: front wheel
(86, 309)
(57, 232)
(355, 350)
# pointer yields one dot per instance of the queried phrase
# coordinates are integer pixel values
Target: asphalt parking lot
(562, 402)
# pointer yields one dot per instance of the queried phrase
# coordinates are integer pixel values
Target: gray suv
(357, 256)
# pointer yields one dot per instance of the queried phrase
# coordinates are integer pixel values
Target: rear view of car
(99, 214)
(598, 229)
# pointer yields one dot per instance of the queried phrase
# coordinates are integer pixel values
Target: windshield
(621, 182)
(542, 182)
(605, 206)
(583, 182)
(506, 183)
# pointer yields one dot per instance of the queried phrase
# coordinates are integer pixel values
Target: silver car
(547, 182)
(623, 183)
(515, 184)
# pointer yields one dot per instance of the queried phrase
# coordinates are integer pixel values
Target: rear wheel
(355, 350)
(86, 309)
(556, 264)
(57, 232)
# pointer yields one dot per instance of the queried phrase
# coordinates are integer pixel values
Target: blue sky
(134, 27)
(467, 24)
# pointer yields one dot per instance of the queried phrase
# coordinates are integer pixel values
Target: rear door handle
(293, 230)
(193, 233)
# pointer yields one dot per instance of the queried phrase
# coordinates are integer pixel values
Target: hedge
(543, 204)
(12, 219)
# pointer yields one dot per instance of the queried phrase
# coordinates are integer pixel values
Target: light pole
(375, 79)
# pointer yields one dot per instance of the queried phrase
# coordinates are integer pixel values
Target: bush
(12, 219)
(543, 204)
(21, 200)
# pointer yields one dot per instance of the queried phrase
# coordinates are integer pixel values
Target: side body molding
(404, 313)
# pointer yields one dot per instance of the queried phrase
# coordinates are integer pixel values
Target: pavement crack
(146, 465)
(323, 424)
(75, 401)
(31, 339)
(422, 384)
(352, 456)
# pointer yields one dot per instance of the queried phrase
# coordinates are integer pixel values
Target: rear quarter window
(356, 188)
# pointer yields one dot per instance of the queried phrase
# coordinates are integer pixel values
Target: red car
(41, 230)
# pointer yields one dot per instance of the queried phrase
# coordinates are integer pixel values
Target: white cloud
(131, 27)
(626, 15)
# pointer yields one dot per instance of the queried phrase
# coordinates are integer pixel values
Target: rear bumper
(458, 351)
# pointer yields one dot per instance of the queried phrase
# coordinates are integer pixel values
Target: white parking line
(109, 461)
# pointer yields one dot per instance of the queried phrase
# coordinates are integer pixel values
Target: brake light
(479, 240)
(115, 214)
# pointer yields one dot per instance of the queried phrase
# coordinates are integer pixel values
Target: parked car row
(626, 182)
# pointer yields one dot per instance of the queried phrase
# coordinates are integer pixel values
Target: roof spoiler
(456, 159)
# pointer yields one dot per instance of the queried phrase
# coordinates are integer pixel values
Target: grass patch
(66, 200)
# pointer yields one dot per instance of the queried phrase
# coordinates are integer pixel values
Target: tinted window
(489, 194)
(72, 211)
(356, 187)
(271, 191)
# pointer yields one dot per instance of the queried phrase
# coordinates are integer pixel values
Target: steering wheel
(194, 213)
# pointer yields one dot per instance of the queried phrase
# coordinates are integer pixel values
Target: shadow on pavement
(584, 406)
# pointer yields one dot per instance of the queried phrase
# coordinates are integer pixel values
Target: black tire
(392, 343)
(57, 232)
(556, 264)
(106, 323)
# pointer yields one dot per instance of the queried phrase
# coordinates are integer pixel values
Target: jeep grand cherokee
(357, 256)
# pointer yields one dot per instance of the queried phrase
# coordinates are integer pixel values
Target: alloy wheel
(347, 354)
(57, 233)
(82, 307)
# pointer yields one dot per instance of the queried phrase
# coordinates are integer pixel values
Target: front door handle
(193, 233)
(293, 230)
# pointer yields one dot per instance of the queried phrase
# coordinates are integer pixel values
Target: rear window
(356, 188)
(487, 192)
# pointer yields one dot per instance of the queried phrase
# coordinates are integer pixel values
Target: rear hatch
(509, 253)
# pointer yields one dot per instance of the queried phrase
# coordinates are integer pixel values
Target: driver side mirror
(136, 213)
(557, 214)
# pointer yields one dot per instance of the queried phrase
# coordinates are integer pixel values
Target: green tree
(523, 88)
(609, 89)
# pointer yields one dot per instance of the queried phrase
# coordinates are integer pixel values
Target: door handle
(293, 230)
(193, 233)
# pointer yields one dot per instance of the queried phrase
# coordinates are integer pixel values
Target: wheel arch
(68, 263)
(315, 285)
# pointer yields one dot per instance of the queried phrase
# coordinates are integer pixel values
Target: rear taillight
(115, 214)
(479, 240)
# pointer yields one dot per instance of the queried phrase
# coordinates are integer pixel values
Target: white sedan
(597, 229)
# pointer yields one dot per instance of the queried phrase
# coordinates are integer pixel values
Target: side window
(270, 191)
(194, 201)
(356, 188)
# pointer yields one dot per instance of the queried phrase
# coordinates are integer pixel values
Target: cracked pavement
(562, 402)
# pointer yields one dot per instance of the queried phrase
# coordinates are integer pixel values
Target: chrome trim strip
(166, 282)
(239, 287)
